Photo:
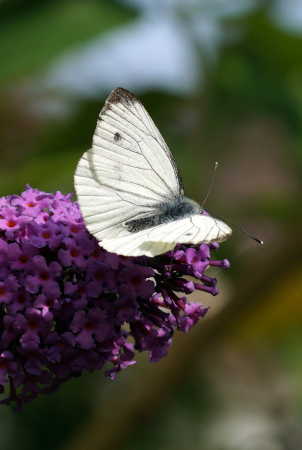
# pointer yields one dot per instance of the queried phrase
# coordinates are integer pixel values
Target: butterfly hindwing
(159, 239)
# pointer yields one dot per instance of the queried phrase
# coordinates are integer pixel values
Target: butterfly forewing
(129, 170)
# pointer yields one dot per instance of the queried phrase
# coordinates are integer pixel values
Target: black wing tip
(120, 95)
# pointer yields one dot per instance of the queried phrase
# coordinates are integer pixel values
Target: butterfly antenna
(244, 231)
(210, 188)
(251, 236)
(211, 185)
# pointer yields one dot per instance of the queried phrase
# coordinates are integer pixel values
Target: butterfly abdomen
(178, 209)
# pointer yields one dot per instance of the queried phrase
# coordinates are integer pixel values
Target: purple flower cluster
(68, 306)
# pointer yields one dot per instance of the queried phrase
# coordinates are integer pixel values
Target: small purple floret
(67, 306)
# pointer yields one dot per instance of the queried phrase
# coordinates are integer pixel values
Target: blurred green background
(223, 80)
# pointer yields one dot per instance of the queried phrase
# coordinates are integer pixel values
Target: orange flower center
(2, 290)
(74, 252)
(11, 223)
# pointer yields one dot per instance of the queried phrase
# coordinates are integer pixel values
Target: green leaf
(33, 39)
(51, 173)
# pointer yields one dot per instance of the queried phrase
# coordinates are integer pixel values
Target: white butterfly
(129, 190)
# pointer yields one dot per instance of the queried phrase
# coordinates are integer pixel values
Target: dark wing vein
(116, 145)
(162, 180)
(161, 143)
(130, 182)
(124, 130)
(137, 142)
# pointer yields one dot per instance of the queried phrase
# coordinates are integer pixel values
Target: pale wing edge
(156, 240)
